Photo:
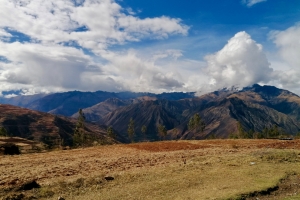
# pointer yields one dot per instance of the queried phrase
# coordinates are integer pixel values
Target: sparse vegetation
(162, 131)
(144, 131)
(110, 132)
(210, 169)
(130, 130)
(3, 132)
(196, 123)
(80, 137)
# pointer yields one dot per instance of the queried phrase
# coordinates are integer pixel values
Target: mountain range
(254, 108)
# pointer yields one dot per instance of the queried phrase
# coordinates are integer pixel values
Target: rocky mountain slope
(98, 111)
(68, 103)
(43, 127)
(255, 108)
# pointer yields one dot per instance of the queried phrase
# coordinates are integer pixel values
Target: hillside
(256, 108)
(148, 113)
(68, 103)
(98, 111)
(43, 127)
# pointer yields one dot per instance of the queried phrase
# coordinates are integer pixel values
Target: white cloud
(136, 71)
(3, 33)
(241, 62)
(48, 61)
(104, 21)
(288, 44)
(250, 3)
(37, 65)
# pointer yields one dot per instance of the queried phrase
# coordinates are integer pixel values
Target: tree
(274, 132)
(251, 134)
(3, 132)
(130, 129)
(79, 138)
(110, 132)
(196, 123)
(144, 131)
(162, 131)
(242, 134)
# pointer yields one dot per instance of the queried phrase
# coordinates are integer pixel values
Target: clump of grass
(78, 183)
(280, 156)
(45, 193)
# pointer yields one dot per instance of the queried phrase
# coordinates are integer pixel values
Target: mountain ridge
(255, 108)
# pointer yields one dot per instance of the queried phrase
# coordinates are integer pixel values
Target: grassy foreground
(215, 169)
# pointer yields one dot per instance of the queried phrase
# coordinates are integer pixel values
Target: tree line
(269, 132)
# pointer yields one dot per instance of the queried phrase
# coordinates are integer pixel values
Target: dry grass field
(210, 169)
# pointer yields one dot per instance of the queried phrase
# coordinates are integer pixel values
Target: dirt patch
(237, 144)
(281, 144)
(168, 146)
(287, 187)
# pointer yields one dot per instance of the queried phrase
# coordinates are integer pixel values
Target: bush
(11, 149)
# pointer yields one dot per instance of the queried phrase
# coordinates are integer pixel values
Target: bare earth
(139, 168)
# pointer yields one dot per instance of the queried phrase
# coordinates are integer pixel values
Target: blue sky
(148, 46)
(222, 19)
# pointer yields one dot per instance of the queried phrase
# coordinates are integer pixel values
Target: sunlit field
(210, 169)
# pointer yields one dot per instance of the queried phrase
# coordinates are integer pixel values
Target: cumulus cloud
(241, 62)
(103, 22)
(250, 3)
(288, 44)
(136, 71)
(67, 46)
(37, 65)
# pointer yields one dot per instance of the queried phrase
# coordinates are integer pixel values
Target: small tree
(242, 134)
(79, 138)
(130, 129)
(196, 123)
(144, 131)
(3, 132)
(162, 131)
(110, 132)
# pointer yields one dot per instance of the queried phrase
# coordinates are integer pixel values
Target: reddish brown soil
(248, 144)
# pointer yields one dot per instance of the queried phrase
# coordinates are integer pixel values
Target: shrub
(11, 149)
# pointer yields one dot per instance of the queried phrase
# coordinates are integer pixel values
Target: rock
(109, 178)
(252, 163)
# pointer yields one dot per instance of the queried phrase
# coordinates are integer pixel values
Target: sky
(148, 46)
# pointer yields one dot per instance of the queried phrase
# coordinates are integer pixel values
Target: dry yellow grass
(215, 169)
